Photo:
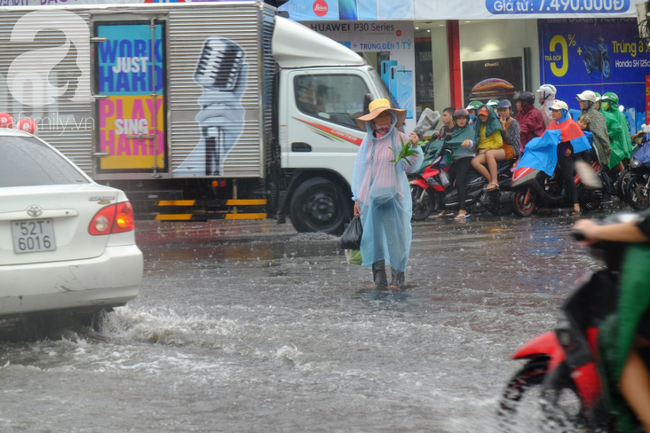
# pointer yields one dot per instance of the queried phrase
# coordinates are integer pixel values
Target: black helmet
(526, 97)
(504, 103)
(461, 112)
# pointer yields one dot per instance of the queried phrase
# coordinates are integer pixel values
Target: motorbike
(532, 187)
(560, 377)
(637, 181)
(432, 190)
(597, 59)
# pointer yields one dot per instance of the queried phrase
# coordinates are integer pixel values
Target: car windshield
(26, 161)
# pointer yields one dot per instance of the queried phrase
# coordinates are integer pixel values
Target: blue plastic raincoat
(384, 196)
(541, 152)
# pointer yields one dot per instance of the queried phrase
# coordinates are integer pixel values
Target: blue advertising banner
(603, 55)
(557, 7)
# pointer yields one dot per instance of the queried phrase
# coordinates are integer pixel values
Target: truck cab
(322, 90)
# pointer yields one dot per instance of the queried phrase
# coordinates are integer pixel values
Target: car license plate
(31, 236)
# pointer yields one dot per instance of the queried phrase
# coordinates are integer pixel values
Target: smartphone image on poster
(404, 96)
(385, 70)
(392, 86)
(348, 10)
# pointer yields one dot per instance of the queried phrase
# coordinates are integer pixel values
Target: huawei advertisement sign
(320, 8)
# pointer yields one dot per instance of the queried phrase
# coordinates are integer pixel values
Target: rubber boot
(397, 279)
(379, 274)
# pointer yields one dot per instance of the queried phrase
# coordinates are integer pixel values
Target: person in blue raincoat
(562, 143)
(381, 192)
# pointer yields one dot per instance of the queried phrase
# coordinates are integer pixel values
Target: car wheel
(319, 205)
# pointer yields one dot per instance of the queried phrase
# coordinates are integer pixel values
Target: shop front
(438, 54)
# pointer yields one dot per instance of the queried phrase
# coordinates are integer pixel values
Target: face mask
(472, 117)
(605, 106)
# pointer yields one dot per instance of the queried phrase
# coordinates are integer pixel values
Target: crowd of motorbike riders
(525, 163)
(484, 158)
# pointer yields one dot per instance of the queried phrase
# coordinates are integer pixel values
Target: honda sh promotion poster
(603, 55)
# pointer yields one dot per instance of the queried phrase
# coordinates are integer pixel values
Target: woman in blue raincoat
(382, 194)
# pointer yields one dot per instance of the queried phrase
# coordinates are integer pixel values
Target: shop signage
(392, 44)
(371, 10)
(602, 55)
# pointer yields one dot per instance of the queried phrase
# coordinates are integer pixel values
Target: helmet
(546, 90)
(526, 97)
(28, 125)
(587, 95)
(462, 112)
(492, 103)
(6, 121)
(597, 96)
(559, 105)
(611, 97)
(474, 105)
(504, 103)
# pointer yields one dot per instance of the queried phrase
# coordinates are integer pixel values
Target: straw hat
(377, 107)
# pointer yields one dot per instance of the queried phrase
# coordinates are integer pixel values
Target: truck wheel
(319, 205)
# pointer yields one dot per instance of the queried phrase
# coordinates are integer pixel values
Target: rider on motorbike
(460, 147)
(471, 109)
(625, 336)
(531, 120)
(546, 96)
(609, 102)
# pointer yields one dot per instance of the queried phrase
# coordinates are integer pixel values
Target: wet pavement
(247, 326)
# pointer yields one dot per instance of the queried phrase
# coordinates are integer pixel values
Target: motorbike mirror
(588, 176)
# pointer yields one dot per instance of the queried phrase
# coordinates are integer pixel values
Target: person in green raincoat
(490, 147)
(625, 336)
(615, 136)
(609, 103)
(461, 147)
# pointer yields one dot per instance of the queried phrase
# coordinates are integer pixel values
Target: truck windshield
(26, 161)
(336, 98)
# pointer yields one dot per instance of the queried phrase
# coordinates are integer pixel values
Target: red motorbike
(560, 377)
(431, 189)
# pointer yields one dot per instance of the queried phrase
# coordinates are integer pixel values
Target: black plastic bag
(351, 238)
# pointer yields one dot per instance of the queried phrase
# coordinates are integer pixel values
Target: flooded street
(249, 327)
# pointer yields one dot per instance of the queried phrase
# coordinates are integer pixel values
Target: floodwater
(251, 327)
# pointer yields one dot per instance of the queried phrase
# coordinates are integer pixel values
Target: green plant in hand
(404, 153)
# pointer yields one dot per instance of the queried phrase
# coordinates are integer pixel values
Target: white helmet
(587, 95)
(559, 105)
(546, 90)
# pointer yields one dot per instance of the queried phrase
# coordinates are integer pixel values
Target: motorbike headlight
(634, 163)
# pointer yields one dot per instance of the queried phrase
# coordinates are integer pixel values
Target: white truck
(197, 111)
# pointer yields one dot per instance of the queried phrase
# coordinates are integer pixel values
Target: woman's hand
(466, 143)
(357, 209)
(414, 139)
(503, 121)
(567, 152)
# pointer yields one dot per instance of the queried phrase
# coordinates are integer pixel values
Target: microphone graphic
(222, 73)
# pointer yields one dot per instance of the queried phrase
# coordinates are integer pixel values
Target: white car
(66, 242)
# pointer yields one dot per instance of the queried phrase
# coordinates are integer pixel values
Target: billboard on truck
(130, 91)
